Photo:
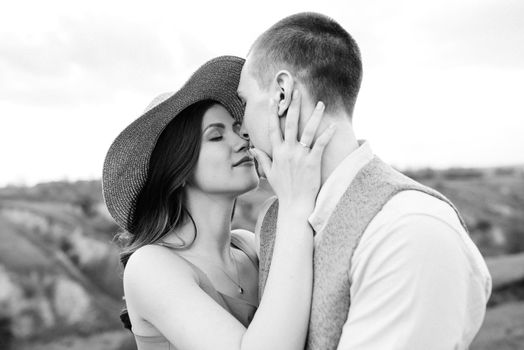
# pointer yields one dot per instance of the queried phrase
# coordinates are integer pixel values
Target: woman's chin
(252, 185)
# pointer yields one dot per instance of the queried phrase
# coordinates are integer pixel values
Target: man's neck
(342, 144)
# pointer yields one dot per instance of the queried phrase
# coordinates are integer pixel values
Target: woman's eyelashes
(215, 137)
(217, 132)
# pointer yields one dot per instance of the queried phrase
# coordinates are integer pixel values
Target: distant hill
(59, 267)
(491, 201)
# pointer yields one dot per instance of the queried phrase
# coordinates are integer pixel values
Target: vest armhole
(245, 244)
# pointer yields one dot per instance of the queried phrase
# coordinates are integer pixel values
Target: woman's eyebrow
(216, 125)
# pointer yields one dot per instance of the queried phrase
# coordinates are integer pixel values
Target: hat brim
(127, 161)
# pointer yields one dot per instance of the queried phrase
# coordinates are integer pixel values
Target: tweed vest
(374, 185)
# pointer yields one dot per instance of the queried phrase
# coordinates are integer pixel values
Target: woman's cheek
(211, 165)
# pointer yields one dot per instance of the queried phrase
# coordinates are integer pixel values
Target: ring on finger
(304, 145)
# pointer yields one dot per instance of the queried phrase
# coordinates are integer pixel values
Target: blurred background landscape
(441, 99)
(60, 278)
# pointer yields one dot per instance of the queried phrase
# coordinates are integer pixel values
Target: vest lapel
(267, 244)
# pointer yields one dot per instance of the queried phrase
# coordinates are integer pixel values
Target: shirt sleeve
(412, 288)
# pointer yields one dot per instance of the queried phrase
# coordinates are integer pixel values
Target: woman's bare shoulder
(154, 261)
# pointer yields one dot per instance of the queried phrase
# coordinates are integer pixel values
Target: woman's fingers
(275, 134)
(312, 124)
(322, 141)
(292, 117)
(263, 161)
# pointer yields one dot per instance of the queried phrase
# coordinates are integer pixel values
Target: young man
(394, 267)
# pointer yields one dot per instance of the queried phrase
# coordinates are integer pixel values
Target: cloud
(74, 74)
(488, 33)
(88, 60)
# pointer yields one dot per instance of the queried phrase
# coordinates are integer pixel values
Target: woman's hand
(294, 173)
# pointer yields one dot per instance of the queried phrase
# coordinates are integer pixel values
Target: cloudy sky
(443, 80)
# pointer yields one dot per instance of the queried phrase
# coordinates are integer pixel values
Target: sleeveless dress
(241, 309)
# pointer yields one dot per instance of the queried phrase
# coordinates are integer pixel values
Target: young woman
(171, 180)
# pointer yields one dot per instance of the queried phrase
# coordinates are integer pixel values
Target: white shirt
(418, 281)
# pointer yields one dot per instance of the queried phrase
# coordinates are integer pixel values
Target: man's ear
(283, 89)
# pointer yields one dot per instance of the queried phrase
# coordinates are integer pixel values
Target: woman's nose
(242, 142)
(243, 132)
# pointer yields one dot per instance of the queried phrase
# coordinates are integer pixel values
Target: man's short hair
(318, 51)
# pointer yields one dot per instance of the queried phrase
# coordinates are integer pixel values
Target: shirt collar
(337, 183)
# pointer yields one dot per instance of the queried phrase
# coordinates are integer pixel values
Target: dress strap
(239, 241)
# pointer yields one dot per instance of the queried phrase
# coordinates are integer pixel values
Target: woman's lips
(244, 162)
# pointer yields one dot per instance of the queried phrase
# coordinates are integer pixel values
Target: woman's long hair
(160, 206)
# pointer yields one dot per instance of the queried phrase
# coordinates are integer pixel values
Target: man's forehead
(239, 88)
(244, 81)
(247, 67)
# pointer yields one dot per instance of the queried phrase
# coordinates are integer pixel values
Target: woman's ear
(284, 84)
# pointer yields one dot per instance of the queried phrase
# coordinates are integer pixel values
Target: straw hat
(127, 161)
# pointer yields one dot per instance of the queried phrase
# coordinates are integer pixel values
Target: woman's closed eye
(215, 137)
